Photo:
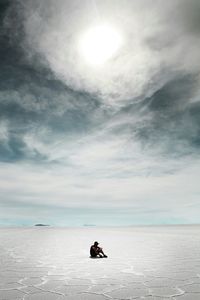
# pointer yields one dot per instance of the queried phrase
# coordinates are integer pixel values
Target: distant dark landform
(41, 225)
(89, 225)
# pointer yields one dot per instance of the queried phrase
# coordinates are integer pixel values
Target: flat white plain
(143, 263)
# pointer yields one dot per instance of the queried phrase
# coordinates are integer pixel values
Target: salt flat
(43, 263)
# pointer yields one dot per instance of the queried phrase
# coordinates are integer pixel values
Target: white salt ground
(149, 263)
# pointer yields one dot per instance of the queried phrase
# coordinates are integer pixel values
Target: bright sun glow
(99, 44)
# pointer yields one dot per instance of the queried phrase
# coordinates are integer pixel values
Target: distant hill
(41, 225)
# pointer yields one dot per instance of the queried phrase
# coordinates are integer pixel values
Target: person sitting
(96, 251)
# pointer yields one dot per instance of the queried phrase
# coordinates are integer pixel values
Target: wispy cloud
(121, 137)
(154, 52)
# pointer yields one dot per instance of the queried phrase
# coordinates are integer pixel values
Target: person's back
(92, 251)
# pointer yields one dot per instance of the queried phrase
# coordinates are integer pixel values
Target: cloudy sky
(99, 112)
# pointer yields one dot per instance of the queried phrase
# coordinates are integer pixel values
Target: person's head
(96, 244)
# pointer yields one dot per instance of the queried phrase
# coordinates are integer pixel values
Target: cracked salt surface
(148, 263)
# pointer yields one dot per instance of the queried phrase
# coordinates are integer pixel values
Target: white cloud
(66, 187)
(155, 49)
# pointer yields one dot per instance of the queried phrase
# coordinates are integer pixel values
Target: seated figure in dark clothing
(96, 251)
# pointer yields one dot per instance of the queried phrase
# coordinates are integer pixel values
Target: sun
(99, 44)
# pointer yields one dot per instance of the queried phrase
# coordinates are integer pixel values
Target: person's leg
(101, 252)
(100, 255)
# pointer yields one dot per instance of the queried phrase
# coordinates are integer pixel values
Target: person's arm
(95, 249)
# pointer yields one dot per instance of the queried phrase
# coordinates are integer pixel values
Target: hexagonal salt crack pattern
(128, 293)
(143, 263)
(165, 292)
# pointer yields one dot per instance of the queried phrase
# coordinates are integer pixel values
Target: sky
(109, 140)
